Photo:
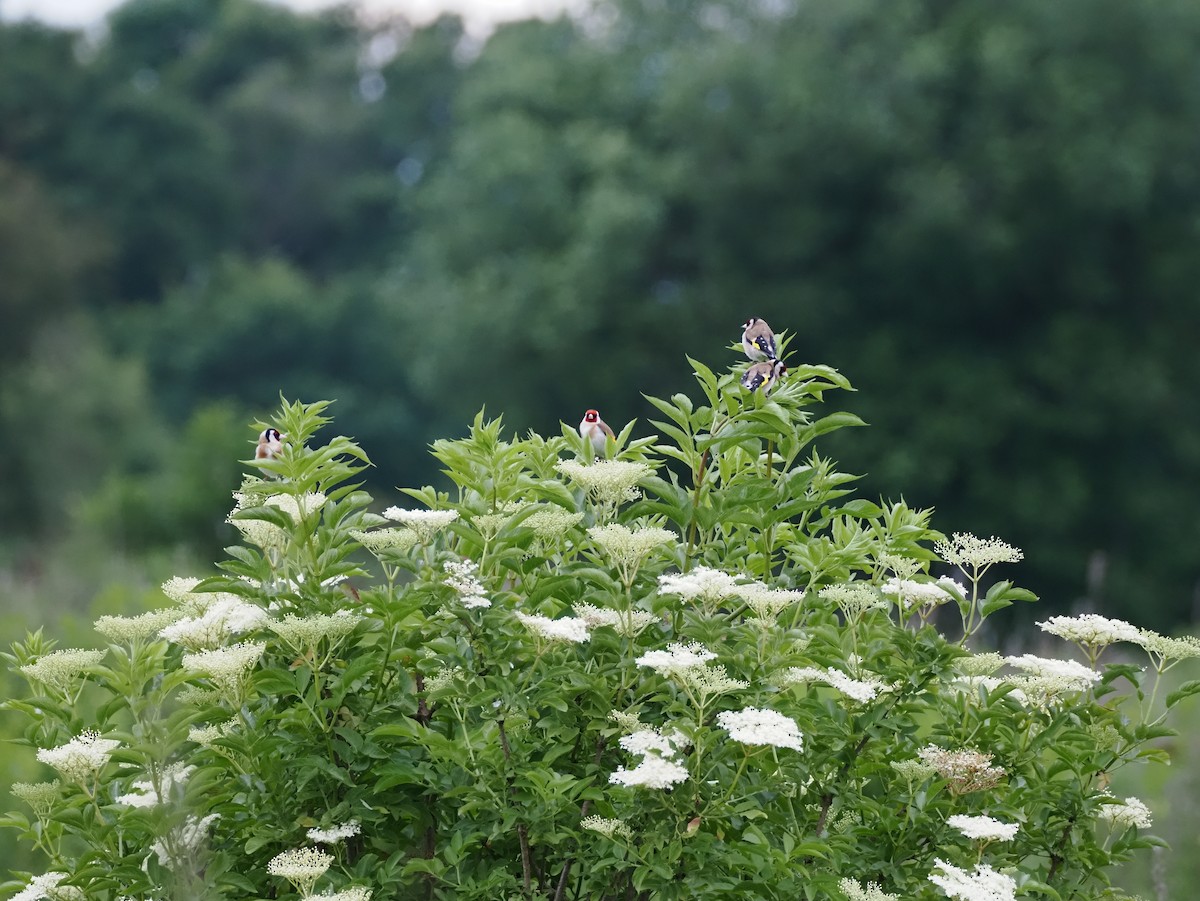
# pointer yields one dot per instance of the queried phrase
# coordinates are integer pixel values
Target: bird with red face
(596, 430)
(270, 446)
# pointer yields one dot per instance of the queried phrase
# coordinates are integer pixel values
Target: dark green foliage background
(986, 214)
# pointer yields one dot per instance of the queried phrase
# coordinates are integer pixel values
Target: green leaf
(1186, 690)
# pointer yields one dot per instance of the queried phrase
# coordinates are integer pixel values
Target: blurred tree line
(985, 213)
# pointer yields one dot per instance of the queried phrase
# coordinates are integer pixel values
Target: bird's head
(750, 323)
(591, 416)
(268, 435)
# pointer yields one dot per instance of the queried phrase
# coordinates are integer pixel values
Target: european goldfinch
(764, 375)
(270, 446)
(595, 430)
(758, 340)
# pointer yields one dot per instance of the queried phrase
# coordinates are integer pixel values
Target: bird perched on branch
(597, 431)
(764, 375)
(270, 446)
(758, 340)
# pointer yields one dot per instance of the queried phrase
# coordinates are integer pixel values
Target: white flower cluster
(969, 552)
(646, 740)
(627, 624)
(206, 735)
(354, 893)
(606, 826)
(768, 603)
(379, 540)
(1165, 648)
(490, 524)
(227, 667)
(980, 664)
(47, 886)
(565, 629)
(179, 588)
(82, 757)
(143, 793)
(1123, 814)
(335, 834)
(303, 633)
(872, 891)
(659, 767)
(61, 669)
(676, 658)
(913, 770)
(551, 522)
(226, 615)
(984, 828)
(985, 884)
(753, 726)
(443, 678)
(265, 535)
(1091, 630)
(182, 842)
(463, 577)
(709, 586)
(965, 770)
(629, 547)
(302, 867)
(858, 689)
(297, 507)
(41, 796)
(1045, 679)
(608, 482)
(425, 523)
(854, 598)
(910, 593)
(653, 772)
(688, 665)
(136, 628)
